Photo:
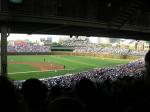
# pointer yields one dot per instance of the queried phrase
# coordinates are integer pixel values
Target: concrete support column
(4, 50)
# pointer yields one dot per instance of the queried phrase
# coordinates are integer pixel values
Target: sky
(55, 38)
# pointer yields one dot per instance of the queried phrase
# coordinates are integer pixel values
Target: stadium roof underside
(111, 18)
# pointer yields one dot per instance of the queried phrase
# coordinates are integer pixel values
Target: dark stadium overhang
(69, 26)
(110, 18)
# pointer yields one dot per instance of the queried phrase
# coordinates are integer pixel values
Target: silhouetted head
(147, 60)
(147, 69)
(85, 89)
(34, 92)
(55, 92)
(8, 99)
(66, 104)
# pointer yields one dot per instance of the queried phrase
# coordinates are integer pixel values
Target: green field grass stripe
(20, 68)
(35, 71)
(76, 61)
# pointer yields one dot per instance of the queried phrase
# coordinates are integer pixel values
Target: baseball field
(22, 67)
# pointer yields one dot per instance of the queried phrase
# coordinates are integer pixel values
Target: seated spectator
(66, 104)
(8, 97)
(147, 69)
(55, 92)
(141, 105)
(35, 94)
(86, 91)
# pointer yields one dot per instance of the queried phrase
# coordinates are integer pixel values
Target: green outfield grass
(73, 64)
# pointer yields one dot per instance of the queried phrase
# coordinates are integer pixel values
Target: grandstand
(48, 61)
(77, 75)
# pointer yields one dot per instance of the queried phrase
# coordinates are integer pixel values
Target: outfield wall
(29, 53)
(77, 54)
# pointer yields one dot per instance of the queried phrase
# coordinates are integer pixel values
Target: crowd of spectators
(29, 48)
(76, 42)
(99, 75)
(123, 88)
(64, 85)
(109, 50)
